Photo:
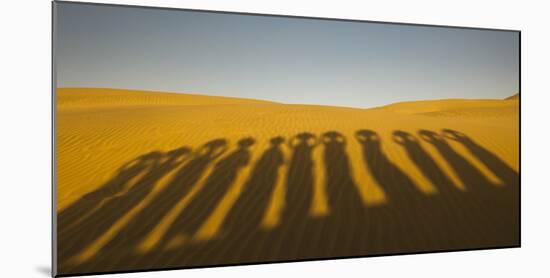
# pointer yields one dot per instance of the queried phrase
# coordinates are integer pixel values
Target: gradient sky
(289, 60)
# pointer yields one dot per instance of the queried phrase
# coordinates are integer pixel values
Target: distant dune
(90, 97)
(429, 106)
(514, 97)
(149, 180)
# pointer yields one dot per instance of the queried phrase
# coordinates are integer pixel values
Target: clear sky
(289, 60)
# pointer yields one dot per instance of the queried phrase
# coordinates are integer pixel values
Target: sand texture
(149, 180)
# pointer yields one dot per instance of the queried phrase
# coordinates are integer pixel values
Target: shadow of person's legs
(471, 177)
(74, 213)
(298, 197)
(75, 239)
(504, 172)
(215, 187)
(127, 239)
(346, 217)
(245, 218)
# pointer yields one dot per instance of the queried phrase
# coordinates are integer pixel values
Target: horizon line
(511, 97)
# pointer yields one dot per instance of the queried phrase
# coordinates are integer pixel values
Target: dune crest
(105, 97)
(514, 97)
(431, 106)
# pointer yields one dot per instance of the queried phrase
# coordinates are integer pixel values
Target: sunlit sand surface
(149, 180)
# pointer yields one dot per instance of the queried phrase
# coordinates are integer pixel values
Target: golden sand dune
(152, 180)
(514, 97)
(431, 106)
(68, 98)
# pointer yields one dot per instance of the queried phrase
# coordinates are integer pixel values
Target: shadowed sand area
(151, 180)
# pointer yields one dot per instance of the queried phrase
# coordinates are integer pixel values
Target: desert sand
(150, 180)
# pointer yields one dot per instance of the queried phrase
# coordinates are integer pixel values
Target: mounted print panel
(187, 138)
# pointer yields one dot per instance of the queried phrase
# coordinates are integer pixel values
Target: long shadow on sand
(90, 201)
(215, 187)
(345, 204)
(90, 227)
(299, 194)
(137, 230)
(482, 216)
(490, 160)
(254, 201)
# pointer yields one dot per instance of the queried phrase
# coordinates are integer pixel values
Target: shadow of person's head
(367, 136)
(431, 137)
(303, 139)
(333, 137)
(212, 149)
(404, 138)
(277, 141)
(246, 142)
(146, 161)
(455, 135)
(143, 161)
(177, 154)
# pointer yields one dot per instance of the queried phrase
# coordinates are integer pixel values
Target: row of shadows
(220, 206)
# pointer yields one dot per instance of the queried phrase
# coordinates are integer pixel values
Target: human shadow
(404, 201)
(427, 165)
(181, 183)
(74, 213)
(504, 172)
(75, 239)
(299, 194)
(398, 185)
(346, 208)
(245, 218)
(448, 199)
(471, 177)
(215, 188)
(491, 212)
(499, 203)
